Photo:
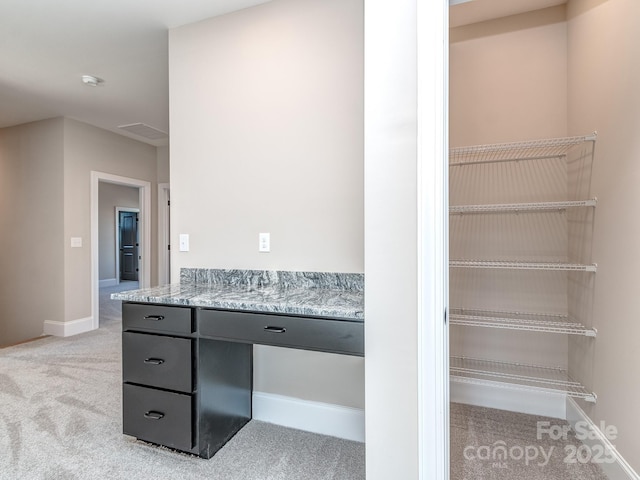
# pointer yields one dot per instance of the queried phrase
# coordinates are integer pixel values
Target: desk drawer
(324, 335)
(157, 416)
(156, 318)
(157, 361)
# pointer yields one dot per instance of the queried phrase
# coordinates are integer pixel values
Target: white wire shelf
(549, 266)
(531, 322)
(553, 148)
(517, 376)
(522, 207)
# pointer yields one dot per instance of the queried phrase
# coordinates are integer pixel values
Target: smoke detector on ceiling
(91, 81)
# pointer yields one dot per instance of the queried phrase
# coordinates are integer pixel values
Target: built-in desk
(187, 349)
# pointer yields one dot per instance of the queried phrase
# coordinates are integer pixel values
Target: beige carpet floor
(491, 444)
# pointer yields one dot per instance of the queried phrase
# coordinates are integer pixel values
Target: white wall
(391, 254)
(45, 178)
(111, 196)
(163, 164)
(267, 136)
(508, 79)
(604, 74)
(88, 148)
(508, 82)
(31, 222)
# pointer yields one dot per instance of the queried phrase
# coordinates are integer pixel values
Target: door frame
(144, 232)
(432, 48)
(117, 243)
(164, 236)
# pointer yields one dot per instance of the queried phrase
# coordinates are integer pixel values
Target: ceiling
(46, 46)
(464, 12)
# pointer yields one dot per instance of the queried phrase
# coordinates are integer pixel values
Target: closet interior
(543, 175)
(521, 219)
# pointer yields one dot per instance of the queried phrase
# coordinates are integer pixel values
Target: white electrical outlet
(184, 242)
(76, 242)
(264, 242)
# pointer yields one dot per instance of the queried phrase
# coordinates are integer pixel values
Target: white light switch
(184, 242)
(264, 242)
(76, 242)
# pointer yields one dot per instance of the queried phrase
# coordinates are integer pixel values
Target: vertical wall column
(405, 240)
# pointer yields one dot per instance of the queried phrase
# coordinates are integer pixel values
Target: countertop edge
(351, 311)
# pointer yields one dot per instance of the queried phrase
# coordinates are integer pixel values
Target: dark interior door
(128, 245)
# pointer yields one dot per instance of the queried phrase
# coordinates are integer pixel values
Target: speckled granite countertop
(315, 294)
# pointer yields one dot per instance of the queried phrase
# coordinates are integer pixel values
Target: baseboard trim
(327, 419)
(619, 469)
(108, 282)
(67, 329)
(513, 400)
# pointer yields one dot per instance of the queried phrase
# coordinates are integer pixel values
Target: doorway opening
(143, 234)
(127, 244)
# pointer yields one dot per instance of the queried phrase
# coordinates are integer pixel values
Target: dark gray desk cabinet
(188, 371)
(307, 333)
(179, 391)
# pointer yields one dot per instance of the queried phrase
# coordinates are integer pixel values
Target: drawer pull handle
(156, 318)
(271, 329)
(154, 415)
(154, 361)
